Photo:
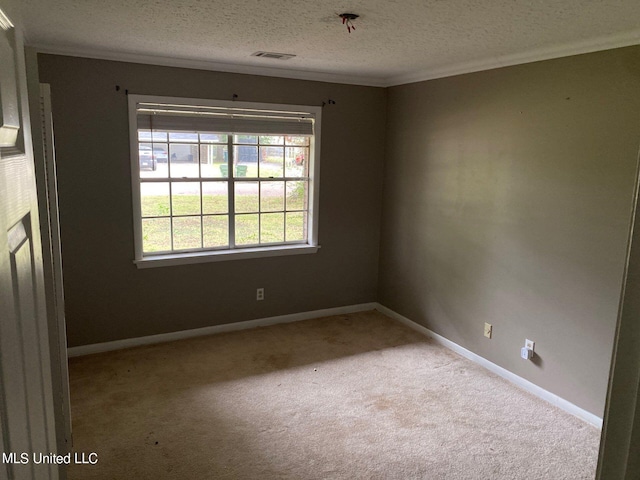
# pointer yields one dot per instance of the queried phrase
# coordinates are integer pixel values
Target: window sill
(223, 255)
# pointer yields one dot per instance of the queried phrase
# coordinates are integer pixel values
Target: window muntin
(191, 201)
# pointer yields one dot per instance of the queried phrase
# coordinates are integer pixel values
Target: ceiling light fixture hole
(347, 19)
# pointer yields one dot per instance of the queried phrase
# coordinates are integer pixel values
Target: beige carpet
(348, 397)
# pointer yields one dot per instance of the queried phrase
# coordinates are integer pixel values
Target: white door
(26, 404)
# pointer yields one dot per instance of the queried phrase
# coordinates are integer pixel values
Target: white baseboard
(227, 327)
(498, 370)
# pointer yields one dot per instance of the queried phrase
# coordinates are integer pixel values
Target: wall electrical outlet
(488, 330)
(526, 352)
(260, 294)
(530, 344)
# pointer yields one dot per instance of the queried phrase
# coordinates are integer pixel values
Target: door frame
(47, 192)
(620, 438)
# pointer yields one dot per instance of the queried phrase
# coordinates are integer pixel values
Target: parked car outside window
(147, 160)
(160, 155)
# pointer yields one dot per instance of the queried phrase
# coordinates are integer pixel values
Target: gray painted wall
(507, 200)
(108, 298)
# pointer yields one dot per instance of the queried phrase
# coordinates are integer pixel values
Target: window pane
(296, 226)
(184, 160)
(247, 229)
(156, 235)
(272, 227)
(215, 231)
(214, 161)
(297, 161)
(213, 138)
(271, 196)
(160, 152)
(215, 197)
(297, 195)
(246, 160)
(145, 136)
(183, 137)
(154, 199)
(186, 233)
(271, 161)
(147, 163)
(302, 141)
(185, 198)
(250, 139)
(246, 194)
(272, 140)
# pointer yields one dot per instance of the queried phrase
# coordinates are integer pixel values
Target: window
(216, 180)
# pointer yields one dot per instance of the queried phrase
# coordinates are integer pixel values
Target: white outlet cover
(530, 344)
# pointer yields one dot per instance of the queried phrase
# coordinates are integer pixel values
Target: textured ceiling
(394, 41)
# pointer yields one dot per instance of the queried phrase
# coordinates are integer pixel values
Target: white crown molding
(227, 327)
(587, 46)
(530, 387)
(206, 65)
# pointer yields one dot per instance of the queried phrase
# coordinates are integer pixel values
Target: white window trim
(204, 256)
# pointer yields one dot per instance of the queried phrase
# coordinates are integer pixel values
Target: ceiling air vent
(276, 56)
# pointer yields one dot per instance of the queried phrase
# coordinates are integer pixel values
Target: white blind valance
(191, 118)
